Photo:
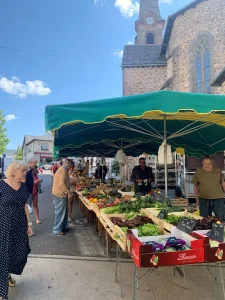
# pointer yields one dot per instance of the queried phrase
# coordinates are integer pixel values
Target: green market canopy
(195, 122)
(108, 148)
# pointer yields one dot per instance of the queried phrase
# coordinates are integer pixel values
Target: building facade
(190, 57)
(38, 147)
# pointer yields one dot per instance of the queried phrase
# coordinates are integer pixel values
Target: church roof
(143, 56)
(167, 84)
(219, 79)
(170, 21)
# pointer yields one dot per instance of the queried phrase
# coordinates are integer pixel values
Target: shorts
(30, 200)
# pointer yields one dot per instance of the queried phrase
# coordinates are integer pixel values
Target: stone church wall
(143, 79)
(208, 17)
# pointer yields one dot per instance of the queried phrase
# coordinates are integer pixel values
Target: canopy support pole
(165, 156)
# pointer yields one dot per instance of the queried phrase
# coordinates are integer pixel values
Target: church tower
(144, 68)
(150, 25)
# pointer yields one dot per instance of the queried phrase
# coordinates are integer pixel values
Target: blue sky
(89, 35)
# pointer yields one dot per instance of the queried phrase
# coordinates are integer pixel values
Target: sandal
(31, 234)
(11, 282)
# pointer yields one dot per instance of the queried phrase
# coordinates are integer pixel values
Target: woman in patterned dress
(15, 226)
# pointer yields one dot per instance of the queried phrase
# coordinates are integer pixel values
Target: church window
(150, 38)
(202, 66)
(207, 71)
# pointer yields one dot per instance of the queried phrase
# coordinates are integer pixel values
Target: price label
(186, 225)
(163, 214)
(217, 233)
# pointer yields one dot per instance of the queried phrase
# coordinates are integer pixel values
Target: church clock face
(150, 20)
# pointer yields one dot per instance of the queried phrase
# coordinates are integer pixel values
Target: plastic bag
(39, 189)
(161, 155)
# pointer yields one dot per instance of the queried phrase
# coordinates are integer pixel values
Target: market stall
(155, 233)
(197, 123)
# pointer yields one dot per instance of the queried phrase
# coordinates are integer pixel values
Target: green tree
(19, 154)
(115, 167)
(3, 137)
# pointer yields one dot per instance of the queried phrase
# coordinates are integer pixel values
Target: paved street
(72, 279)
(80, 240)
(74, 267)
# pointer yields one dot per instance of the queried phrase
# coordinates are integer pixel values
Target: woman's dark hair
(36, 167)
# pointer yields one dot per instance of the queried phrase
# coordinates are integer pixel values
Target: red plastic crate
(144, 257)
(212, 254)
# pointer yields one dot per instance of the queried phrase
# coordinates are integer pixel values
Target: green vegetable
(174, 220)
(131, 215)
(124, 229)
(148, 230)
(111, 210)
(173, 209)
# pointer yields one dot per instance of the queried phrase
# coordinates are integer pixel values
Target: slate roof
(170, 21)
(167, 84)
(219, 79)
(46, 137)
(143, 56)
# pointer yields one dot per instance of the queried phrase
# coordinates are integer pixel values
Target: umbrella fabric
(195, 122)
(109, 149)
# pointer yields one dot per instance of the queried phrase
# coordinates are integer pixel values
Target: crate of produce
(177, 248)
(214, 250)
(96, 209)
(86, 202)
(121, 237)
(172, 218)
(143, 224)
(105, 219)
(95, 192)
(179, 202)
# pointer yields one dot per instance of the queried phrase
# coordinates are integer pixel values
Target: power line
(55, 55)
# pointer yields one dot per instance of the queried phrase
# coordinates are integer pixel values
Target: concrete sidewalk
(68, 278)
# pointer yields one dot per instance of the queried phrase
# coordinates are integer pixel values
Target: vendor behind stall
(100, 172)
(142, 177)
(208, 186)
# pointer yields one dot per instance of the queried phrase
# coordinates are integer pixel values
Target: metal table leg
(215, 281)
(222, 280)
(107, 243)
(121, 277)
(116, 273)
(119, 265)
(135, 283)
